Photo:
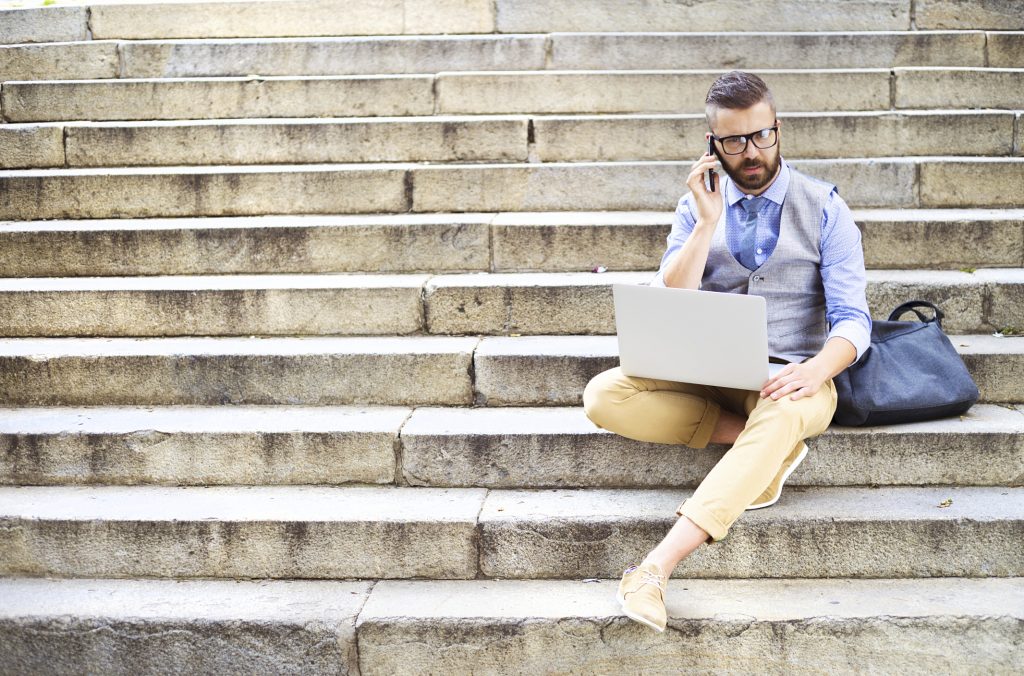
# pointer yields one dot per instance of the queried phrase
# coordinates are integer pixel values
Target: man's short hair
(736, 90)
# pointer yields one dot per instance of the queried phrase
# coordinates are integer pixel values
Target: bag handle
(912, 305)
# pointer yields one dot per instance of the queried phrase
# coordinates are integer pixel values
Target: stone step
(566, 91)
(675, 91)
(439, 243)
(216, 305)
(381, 55)
(561, 448)
(389, 188)
(711, 15)
(553, 370)
(950, 626)
(240, 445)
(510, 626)
(580, 303)
(446, 447)
(509, 138)
(524, 371)
(296, 141)
(207, 98)
(52, 626)
(240, 532)
(201, 371)
(818, 532)
(804, 135)
(393, 532)
(108, 19)
(401, 243)
(569, 303)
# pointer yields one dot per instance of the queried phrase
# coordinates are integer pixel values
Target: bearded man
(768, 230)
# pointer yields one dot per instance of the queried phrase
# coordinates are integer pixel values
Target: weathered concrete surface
(373, 55)
(49, 24)
(31, 145)
(1005, 49)
(941, 238)
(60, 61)
(252, 244)
(201, 191)
(281, 531)
(435, 139)
(1006, 298)
(539, 370)
(996, 364)
(208, 98)
(291, 18)
(986, 181)
(531, 16)
(812, 532)
(567, 241)
(881, 182)
(179, 626)
(996, 14)
(958, 87)
(581, 302)
(216, 305)
(650, 91)
(955, 626)
(554, 186)
(199, 446)
(568, 303)
(967, 299)
(946, 239)
(629, 186)
(750, 50)
(560, 447)
(208, 371)
(553, 370)
(375, 188)
(804, 135)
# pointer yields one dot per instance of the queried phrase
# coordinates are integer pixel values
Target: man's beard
(753, 184)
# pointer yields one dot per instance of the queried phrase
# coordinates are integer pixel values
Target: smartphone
(709, 177)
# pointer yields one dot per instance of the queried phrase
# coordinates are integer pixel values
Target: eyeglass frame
(748, 138)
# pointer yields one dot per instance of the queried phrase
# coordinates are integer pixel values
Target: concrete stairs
(297, 305)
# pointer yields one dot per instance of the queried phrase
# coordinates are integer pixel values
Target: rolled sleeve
(843, 276)
(683, 222)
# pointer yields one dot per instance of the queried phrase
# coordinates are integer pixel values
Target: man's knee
(599, 394)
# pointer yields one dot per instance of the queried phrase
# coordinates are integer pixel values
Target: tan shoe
(642, 595)
(774, 490)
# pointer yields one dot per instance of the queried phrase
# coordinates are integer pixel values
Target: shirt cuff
(856, 333)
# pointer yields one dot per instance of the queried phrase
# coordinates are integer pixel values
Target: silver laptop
(700, 337)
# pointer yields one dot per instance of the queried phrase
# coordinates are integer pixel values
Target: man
(766, 230)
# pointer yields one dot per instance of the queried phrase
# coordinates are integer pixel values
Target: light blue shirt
(842, 255)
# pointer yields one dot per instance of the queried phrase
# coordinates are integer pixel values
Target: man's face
(755, 168)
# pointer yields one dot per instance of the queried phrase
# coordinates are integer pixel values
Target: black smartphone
(710, 175)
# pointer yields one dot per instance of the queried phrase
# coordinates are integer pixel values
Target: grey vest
(790, 279)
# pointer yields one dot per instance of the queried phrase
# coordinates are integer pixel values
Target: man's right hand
(709, 204)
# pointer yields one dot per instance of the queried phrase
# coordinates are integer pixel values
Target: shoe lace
(647, 577)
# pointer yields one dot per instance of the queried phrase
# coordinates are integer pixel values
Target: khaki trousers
(667, 412)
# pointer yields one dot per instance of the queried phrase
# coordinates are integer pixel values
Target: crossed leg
(763, 433)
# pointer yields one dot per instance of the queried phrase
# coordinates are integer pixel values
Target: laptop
(688, 336)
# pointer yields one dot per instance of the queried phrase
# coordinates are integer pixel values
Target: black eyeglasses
(735, 145)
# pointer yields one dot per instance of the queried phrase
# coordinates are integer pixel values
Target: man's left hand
(803, 380)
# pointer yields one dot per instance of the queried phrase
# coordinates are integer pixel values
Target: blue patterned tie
(748, 237)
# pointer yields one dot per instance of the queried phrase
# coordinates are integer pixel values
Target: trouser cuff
(703, 517)
(702, 435)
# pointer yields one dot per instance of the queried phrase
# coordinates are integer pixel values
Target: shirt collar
(775, 193)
